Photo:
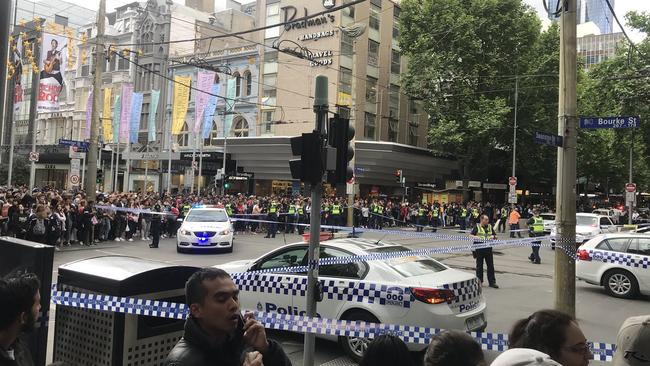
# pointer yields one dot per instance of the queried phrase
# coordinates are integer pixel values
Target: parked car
(588, 225)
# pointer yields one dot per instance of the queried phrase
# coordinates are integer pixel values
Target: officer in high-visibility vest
(301, 218)
(474, 216)
(272, 215)
(291, 218)
(336, 214)
(535, 228)
(483, 232)
(229, 209)
(379, 219)
(421, 217)
(325, 213)
(503, 218)
(374, 211)
(463, 218)
(435, 213)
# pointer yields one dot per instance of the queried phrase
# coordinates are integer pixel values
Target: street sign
(33, 156)
(630, 197)
(75, 154)
(630, 187)
(82, 145)
(195, 165)
(512, 197)
(512, 181)
(610, 122)
(544, 138)
(74, 180)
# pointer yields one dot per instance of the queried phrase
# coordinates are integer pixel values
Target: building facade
(596, 48)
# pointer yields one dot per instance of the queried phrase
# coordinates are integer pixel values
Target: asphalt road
(525, 287)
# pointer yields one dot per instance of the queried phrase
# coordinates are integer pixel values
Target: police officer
(291, 218)
(435, 212)
(503, 218)
(422, 218)
(300, 209)
(272, 215)
(474, 218)
(155, 225)
(535, 229)
(483, 232)
(463, 217)
(336, 214)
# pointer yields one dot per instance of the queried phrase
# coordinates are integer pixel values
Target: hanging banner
(204, 83)
(136, 114)
(116, 119)
(181, 102)
(210, 108)
(107, 128)
(17, 69)
(153, 107)
(52, 72)
(125, 116)
(230, 105)
(89, 113)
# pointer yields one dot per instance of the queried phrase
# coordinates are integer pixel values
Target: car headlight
(224, 232)
(184, 232)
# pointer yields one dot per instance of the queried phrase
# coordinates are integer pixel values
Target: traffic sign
(512, 181)
(74, 179)
(544, 138)
(33, 156)
(512, 197)
(630, 187)
(610, 122)
(81, 145)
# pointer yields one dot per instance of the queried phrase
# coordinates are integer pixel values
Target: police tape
(294, 322)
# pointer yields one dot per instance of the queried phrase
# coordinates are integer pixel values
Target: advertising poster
(52, 68)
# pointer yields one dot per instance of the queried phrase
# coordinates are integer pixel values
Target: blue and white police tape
(132, 210)
(294, 323)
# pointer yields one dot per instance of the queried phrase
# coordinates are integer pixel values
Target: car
(618, 262)
(588, 225)
(612, 213)
(549, 221)
(205, 229)
(440, 296)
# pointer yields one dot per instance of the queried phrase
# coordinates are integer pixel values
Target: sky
(621, 7)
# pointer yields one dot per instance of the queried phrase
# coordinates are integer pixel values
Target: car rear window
(615, 245)
(410, 266)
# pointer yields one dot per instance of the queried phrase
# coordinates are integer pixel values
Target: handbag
(94, 220)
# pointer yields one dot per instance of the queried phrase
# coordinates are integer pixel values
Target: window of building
(347, 45)
(214, 133)
(371, 94)
(413, 134)
(393, 101)
(267, 120)
(270, 62)
(248, 78)
(183, 138)
(373, 21)
(239, 127)
(373, 53)
(349, 11)
(61, 20)
(269, 88)
(272, 17)
(345, 80)
(395, 61)
(395, 31)
(85, 62)
(393, 128)
(413, 107)
(123, 62)
(369, 126)
(238, 82)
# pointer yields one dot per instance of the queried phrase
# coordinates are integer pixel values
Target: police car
(588, 225)
(411, 290)
(618, 262)
(205, 228)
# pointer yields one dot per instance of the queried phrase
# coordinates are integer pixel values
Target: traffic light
(309, 168)
(340, 135)
(100, 176)
(398, 176)
(226, 185)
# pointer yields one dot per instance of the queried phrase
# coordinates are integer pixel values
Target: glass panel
(288, 258)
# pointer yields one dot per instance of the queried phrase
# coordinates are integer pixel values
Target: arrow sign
(610, 122)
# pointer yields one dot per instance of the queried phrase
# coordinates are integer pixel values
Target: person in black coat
(39, 225)
(155, 225)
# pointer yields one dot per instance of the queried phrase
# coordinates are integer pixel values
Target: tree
(20, 173)
(462, 58)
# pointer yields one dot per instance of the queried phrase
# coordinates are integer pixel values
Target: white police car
(618, 262)
(588, 225)
(205, 228)
(411, 290)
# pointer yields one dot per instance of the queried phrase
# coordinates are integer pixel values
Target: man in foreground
(216, 333)
(20, 302)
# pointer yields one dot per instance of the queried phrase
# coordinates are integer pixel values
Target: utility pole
(631, 203)
(90, 177)
(5, 23)
(564, 277)
(321, 108)
(514, 133)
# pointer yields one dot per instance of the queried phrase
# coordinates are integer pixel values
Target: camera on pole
(309, 168)
(340, 135)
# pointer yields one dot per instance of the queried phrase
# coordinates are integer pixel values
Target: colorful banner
(205, 79)
(116, 119)
(181, 102)
(230, 105)
(107, 127)
(89, 112)
(153, 107)
(125, 116)
(17, 71)
(52, 65)
(136, 115)
(210, 108)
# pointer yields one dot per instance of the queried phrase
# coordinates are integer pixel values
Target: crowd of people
(216, 333)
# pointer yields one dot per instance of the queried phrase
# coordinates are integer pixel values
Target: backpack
(39, 227)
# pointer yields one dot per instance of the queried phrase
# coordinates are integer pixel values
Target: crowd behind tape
(295, 323)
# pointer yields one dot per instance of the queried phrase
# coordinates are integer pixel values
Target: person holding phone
(215, 331)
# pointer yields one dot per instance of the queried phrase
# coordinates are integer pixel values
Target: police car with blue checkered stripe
(406, 290)
(205, 228)
(618, 262)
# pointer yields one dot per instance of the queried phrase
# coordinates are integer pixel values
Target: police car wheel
(355, 347)
(621, 284)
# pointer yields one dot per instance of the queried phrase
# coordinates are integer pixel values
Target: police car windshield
(203, 215)
(586, 221)
(410, 266)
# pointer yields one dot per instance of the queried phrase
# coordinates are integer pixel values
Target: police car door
(274, 292)
(640, 251)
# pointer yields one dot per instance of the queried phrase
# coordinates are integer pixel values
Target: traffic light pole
(321, 107)
(564, 277)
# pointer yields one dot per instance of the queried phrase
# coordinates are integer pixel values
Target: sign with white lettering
(610, 122)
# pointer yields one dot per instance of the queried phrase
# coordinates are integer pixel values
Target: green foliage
(20, 173)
